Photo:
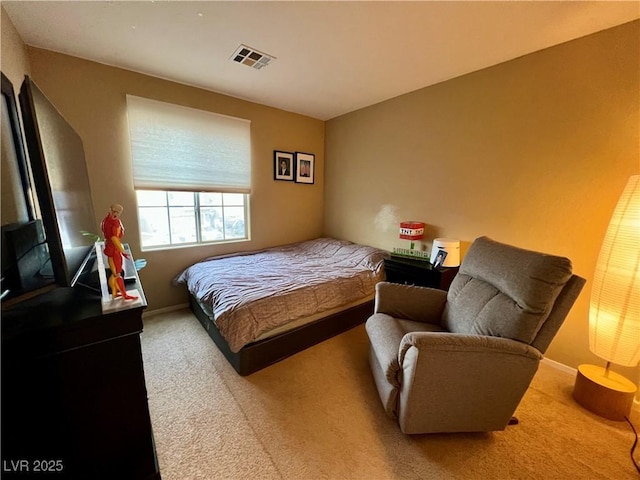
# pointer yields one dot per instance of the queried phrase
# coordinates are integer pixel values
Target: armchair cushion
(490, 297)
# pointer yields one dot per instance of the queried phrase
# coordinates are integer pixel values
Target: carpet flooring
(317, 415)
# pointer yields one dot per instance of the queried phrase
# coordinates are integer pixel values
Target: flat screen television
(61, 182)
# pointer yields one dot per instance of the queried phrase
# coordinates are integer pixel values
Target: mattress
(253, 295)
(299, 322)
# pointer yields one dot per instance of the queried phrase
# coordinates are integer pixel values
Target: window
(182, 218)
(191, 172)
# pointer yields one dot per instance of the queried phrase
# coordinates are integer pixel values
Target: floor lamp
(614, 312)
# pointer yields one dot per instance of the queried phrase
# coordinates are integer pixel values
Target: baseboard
(158, 311)
(560, 366)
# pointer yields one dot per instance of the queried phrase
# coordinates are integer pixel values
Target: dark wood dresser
(74, 399)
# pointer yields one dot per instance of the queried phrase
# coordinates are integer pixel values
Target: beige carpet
(317, 415)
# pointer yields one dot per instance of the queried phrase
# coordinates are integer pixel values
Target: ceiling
(331, 57)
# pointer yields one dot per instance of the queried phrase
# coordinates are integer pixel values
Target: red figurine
(113, 231)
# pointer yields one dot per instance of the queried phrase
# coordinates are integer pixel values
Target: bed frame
(258, 355)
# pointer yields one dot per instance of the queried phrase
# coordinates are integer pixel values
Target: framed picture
(283, 166)
(305, 167)
(439, 260)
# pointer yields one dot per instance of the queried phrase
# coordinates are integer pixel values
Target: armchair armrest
(421, 304)
(455, 382)
(473, 344)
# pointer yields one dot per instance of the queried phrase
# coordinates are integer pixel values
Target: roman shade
(185, 149)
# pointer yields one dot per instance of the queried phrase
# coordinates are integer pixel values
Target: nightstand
(417, 272)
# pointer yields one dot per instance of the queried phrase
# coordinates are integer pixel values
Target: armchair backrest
(561, 308)
(506, 291)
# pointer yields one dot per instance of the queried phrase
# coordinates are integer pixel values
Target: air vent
(251, 57)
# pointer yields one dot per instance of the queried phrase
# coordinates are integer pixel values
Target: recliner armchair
(460, 361)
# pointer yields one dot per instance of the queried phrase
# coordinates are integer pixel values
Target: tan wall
(13, 59)
(533, 152)
(15, 65)
(91, 96)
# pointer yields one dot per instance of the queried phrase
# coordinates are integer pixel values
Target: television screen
(61, 183)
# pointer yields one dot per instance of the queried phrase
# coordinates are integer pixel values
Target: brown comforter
(251, 293)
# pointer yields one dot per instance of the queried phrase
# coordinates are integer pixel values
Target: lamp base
(607, 394)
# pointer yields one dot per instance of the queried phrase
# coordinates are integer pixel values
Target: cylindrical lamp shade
(451, 247)
(411, 230)
(614, 313)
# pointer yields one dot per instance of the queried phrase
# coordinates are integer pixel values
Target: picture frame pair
(290, 166)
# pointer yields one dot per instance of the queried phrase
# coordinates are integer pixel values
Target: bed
(263, 306)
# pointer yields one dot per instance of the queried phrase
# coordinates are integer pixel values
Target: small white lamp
(614, 313)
